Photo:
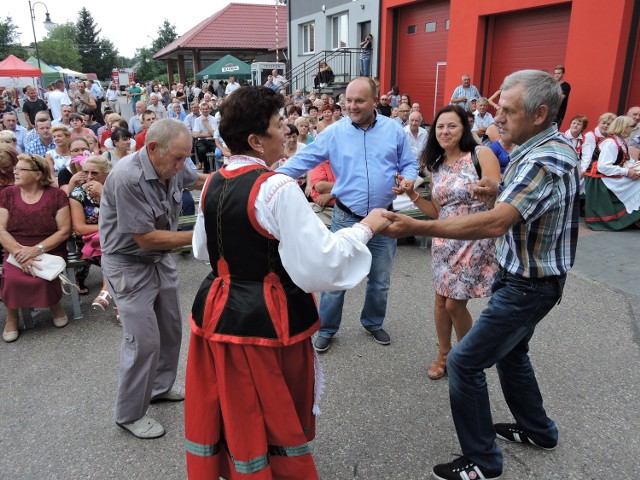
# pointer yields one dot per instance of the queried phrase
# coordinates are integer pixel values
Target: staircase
(345, 65)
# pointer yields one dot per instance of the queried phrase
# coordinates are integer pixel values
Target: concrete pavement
(382, 418)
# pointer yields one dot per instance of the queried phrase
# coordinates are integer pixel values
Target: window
(446, 24)
(411, 29)
(308, 38)
(430, 27)
(339, 31)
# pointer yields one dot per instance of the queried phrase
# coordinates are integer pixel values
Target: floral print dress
(461, 269)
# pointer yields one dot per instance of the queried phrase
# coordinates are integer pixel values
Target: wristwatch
(40, 247)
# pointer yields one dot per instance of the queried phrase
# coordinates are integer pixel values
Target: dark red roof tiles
(237, 26)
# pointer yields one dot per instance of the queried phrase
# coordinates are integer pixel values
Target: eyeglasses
(18, 169)
(88, 172)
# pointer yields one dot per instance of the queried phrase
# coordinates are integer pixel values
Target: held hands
(375, 220)
(399, 226)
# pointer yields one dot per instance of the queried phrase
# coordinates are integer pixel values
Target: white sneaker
(145, 428)
(174, 394)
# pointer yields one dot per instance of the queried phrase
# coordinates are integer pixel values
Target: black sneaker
(380, 336)
(512, 432)
(322, 344)
(463, 469)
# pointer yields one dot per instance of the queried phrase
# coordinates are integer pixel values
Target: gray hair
(164, 132)
(540, 88)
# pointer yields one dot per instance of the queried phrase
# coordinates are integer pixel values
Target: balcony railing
(344, 62)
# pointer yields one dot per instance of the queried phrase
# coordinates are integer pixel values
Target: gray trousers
(147, 298)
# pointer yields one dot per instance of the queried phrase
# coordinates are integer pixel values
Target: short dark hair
(293, 129)
(76, 116)
(120, 133)
(247, 111)
(432, 155)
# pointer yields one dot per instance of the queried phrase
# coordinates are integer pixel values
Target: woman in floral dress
(462, 269)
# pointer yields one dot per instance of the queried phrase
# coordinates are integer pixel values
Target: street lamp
(48, 24)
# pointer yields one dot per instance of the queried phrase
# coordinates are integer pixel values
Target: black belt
(135, 258)
(347, 210)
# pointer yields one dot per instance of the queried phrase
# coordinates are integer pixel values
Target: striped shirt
(468, 93)
(541, 182)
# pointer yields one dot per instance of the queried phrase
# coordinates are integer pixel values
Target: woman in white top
(592, 139)
(613, 192)
(250, 382)
(58, 158)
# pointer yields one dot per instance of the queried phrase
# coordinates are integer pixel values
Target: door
(422, 36)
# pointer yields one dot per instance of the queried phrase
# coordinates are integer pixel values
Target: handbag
(51, 267)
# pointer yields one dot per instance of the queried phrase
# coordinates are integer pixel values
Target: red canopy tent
(12, 66)
(14, 73)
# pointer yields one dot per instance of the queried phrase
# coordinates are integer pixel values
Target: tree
(9, 35)
(88, 42)
(166, 34)
(61, 47)
(148, 68)
(108, 60)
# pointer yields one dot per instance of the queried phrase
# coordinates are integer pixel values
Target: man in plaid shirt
(43, 142)
(535, 219)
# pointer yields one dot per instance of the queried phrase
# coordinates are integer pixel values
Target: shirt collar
(540, 138)
(372, 124)
(147, 167)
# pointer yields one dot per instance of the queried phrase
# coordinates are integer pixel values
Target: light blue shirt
(95, 91)
(365, 162)
(20, 133)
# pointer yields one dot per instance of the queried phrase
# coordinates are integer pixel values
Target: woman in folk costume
(252, 380)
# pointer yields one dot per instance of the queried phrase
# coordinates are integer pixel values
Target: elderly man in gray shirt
(139, 212)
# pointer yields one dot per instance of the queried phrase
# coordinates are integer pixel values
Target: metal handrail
(343, 61)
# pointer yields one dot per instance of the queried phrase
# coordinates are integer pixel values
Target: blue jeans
(383, 251)
(501, 337)
(365, 64)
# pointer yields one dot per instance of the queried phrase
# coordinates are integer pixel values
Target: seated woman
(304, 136)
(34, 219)
(324, 77)
(250, 382)
(71, 176)
(85, 210)
(9, 138)
(592, 140)
(612, 190)
(327, 117)
(58, 158)
(123, 144)
(175, 111)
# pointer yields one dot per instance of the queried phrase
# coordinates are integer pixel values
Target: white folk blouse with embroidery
(316, 259)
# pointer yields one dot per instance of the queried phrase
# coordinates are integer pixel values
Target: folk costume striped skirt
(248, 411)
(603, 210)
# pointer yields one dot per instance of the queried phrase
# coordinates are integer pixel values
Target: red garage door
(423, 31)
(534, 38)
(633, 97)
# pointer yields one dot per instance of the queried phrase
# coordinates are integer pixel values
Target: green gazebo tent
(48, 74)
(227, 65)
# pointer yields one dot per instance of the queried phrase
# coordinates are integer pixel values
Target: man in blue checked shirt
(536, 221)
(366, 152)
